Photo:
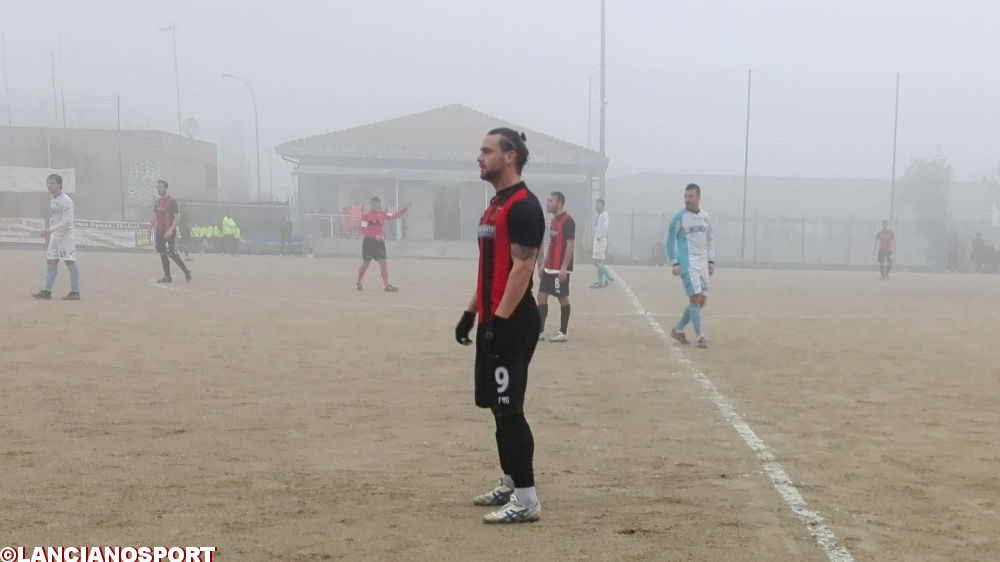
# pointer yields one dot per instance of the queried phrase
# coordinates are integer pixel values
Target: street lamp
(177, 77)
(256, 129)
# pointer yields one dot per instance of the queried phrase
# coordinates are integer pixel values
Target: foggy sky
(822, 97)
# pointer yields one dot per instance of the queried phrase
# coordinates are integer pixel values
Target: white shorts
(695, 281)
(61, 248)
(600, 249)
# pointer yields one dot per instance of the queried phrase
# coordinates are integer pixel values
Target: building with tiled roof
(428, 158)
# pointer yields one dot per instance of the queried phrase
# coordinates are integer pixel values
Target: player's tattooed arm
(520, 252)
(518, 279)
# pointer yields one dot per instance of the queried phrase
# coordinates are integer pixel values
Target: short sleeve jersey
(885, 237)
(165, 208)
(514, 216)
(562, 229)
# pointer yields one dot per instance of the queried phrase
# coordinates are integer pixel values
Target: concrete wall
(188, 165)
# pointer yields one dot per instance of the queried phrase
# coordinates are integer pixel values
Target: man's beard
(488, 175)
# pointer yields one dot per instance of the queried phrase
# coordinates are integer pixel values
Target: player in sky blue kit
(691, 248)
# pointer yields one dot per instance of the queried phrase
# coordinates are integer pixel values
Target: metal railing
(325, 225)
(803, 240)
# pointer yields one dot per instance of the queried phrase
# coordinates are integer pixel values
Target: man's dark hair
(164, 182)
(56, 177)
(601, 201)
(513, 140)
(559, 197)
(375, 198)
(693, 187)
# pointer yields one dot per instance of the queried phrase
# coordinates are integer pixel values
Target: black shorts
(501, 381)
(166, 244)
(548, 284)
(373, 249)
(884, 257)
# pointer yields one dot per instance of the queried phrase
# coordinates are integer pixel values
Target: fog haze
(822, 95)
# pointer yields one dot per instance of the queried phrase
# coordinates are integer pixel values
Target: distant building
(428, 158)
(115, 171)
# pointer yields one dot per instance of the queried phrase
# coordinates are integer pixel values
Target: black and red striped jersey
(562, 229)
(514, 216)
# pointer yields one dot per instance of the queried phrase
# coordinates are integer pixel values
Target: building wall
(446, 206)
(102, 187)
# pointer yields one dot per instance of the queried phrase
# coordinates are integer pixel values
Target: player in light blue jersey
(691, 249)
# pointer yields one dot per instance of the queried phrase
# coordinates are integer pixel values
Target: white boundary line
(813, 521)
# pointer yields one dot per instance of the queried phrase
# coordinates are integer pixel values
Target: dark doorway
(447, 213)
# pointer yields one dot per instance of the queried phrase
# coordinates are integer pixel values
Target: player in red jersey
(373, 245)
(166, 217)
(555, 269)
(885, 246)
(510, 234)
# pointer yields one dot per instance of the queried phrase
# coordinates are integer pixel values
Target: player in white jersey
(600, 246)
(691, 248)
(62, 244)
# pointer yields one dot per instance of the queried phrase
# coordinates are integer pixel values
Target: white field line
(813, 521)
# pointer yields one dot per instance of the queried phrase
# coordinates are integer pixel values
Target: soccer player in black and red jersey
(554, 270)
(510, 234)
(166, 217)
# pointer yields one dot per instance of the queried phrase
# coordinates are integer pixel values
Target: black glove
(500, 337)
(464, 327)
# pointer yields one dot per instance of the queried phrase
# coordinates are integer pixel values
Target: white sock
(526, 496)
(508, 481)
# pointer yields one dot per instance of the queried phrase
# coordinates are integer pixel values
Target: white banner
(21, 230)
(100, 234)
(111, 234)
(21, 179)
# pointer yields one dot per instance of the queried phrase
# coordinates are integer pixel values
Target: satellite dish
(189, 128)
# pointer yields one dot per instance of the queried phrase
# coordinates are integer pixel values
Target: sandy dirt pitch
(271, 410)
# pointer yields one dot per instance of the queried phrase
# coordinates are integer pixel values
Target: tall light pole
(256, 128)
(746, 170)
(6, 87)
(177, 75)
(604, 104)
(3, 61)
(892, 178)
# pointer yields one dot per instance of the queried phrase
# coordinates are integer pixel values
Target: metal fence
(321, 225)
(807, 241)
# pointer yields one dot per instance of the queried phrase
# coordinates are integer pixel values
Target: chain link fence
(802, 241)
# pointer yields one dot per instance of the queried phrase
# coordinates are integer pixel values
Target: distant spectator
(184, 233)
(286, 237)
(230, 235)
(978, 252)
(953, 253)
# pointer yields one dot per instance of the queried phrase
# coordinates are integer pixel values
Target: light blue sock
(600, 274)
(607, 272)
(50, 275)
(684, 320)
(74, 277)
(695, 312)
